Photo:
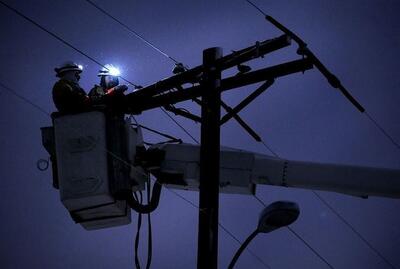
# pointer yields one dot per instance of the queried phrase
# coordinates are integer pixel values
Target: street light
(274, 216)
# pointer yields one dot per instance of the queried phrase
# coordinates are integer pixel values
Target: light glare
(114, 71)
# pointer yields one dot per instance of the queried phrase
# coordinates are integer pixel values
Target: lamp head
(277, 215)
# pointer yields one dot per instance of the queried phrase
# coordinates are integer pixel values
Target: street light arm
(241, 248)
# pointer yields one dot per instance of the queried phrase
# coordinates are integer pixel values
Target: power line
(256, 7)
(371, 119)
(179, 125)
(354, 230)
(136, 34)
(60, 39)
(310, 247)
(26, 100)
(384, 132)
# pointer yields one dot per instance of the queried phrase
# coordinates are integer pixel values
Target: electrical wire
(369, 117)
(177, 123)
(310, 247)
(136, 34)
(383, 131)
(26, 100)
(354, 230)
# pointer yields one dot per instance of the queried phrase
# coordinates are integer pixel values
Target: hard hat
(109, 70)
(68, 66)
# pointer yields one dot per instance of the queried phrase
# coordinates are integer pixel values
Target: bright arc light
(114, 71)
(80, 67)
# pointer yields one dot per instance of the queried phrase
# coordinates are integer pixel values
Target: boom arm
(240, 171)
(346, 179)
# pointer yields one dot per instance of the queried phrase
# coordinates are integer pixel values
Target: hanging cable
(172, 139)
(149, 231)
(137, 237)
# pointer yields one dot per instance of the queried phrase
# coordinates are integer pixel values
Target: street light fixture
(277, 215)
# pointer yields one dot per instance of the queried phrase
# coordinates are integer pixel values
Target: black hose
(149, 239)
(137, 238)
(135, 205)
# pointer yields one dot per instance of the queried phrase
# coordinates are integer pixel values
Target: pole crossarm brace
(234, 111)
(241, 122)
(194, 75)
(137, 105)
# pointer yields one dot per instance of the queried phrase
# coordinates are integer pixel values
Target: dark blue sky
(301, 117)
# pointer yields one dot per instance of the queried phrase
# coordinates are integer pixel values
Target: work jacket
(69, 97)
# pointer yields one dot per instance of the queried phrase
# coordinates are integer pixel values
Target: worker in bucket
(109, 93)
(68, 96)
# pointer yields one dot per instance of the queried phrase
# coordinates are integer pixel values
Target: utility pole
(207, 255)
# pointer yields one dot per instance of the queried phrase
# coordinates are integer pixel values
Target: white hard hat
(68, 66)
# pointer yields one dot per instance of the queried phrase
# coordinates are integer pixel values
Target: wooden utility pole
(207, 255)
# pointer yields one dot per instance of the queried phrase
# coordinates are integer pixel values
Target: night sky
(300, 117)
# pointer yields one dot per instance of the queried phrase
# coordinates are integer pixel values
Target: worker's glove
(120, 88)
